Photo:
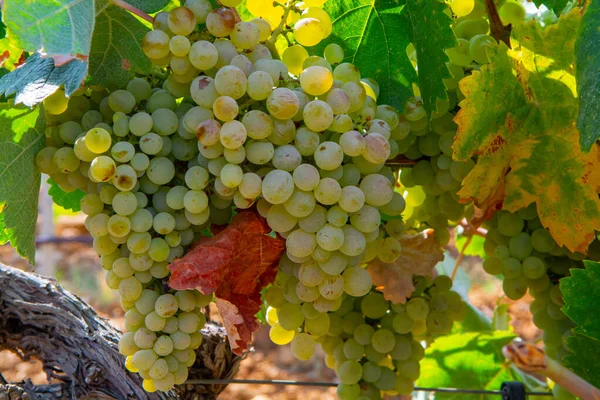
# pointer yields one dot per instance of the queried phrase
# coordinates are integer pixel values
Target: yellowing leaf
(420, 254)
(519, 117)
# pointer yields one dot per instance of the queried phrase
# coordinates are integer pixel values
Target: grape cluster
(120, 149)
(222, 125)
(373, 345)
(524, 253)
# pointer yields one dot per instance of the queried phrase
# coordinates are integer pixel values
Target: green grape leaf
(518, 117)
(149, 6)
(431, 35)
(587, 65)
(582, 309)
(116, 54)
(555, 5)
(67, 200)
(21, 137)
(375, 36)
(57, 27)
(2, 26)
(468, 361)
(38, 78)
(583, 359)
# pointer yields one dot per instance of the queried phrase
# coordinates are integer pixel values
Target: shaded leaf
(468, 361)
(582, 309)
(431, 34)
(420, 253)
(116, 54)
(518, 117)
(584, 357)
(54, 27)
(149, 6)
(38, 78)
(68, 201)
(587, 65)
(235, 265)
(21, 137)
(556, 5)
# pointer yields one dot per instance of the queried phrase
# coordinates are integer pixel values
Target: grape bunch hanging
(224, 125)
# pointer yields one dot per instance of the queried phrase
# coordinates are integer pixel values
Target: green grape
(460, 55)
(493, 265)
(533, 268)
(294, 57)
(520, 246)
(309, 31)
(417, 309)
(477, 48)
(334, 53)
(303, 346)
(348, 392)
(542, 241)
(190, 322)
(350, 372)
(130, 289)
(512, 12)
(281, 336)
(510, 224)
(353, 350)
(387, 379)
(514, 288)
(56, 103)
(462, 7)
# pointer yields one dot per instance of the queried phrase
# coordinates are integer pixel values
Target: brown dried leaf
(420, 254)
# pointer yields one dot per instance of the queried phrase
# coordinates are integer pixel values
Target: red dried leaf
(420, 253)
(235, 265)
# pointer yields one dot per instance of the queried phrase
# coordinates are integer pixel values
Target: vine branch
(132, 9)
(498, 30)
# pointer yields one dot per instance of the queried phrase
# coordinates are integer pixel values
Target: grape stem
(461, 256)
(532, 359)
(280, 28)
(132, 9)
(498, 30)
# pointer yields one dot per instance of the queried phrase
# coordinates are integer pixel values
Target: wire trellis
(333, 384)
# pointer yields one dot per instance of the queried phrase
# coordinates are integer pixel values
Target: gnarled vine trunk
(78, 348)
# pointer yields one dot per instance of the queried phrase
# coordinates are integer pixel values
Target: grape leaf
(431, 34)
(581, 309)
(235, 265)
(2, 26)
(21, 137)
(420, 253)
(583, 359)
(68, 201)
(555, 5)
(116, 54)
(149, 6)
(375, 34)
(467, 360)
(587, 65)
(518, 117)
(38, 78)
(55, 27)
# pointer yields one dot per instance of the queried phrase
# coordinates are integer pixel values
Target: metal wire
(333, 384)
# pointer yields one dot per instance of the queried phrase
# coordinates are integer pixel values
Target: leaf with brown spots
(420, 254)
(519, 117)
